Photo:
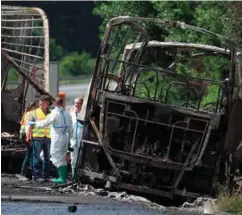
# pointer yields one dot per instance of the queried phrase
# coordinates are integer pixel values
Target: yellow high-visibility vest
(23, 122)
(38, 114)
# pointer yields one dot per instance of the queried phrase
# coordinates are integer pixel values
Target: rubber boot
(62, 171)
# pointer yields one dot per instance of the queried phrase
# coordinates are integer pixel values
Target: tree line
(70, 30)
(222, 17)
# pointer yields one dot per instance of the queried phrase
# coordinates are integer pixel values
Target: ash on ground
(193, 208)
(12, 186)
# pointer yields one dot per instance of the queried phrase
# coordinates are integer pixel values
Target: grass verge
(230, 203)
(78, 81)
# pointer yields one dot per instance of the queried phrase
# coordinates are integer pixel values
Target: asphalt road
(89, 209)
(16, 201)
(73, 91)
(32, 198)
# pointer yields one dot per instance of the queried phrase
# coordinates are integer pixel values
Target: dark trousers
(28, 159)
(38, 145)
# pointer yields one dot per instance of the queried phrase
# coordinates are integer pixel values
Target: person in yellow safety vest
(61, 132)
(77, 133)
(41, 140)
(23, 136)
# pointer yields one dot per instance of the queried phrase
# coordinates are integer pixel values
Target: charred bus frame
(146, 143)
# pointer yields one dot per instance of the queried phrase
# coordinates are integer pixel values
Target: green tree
(234, 21)
(56, 51)
(76, 64)
(220, 17)
(108, 10)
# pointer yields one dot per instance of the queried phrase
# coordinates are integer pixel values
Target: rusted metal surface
(11, 146)
(46, 46)
(239, 76)
(160, 131)
(24, 45)
(24, 50)
(25, 36)
(40, 89)
(13, 152)
(104, 147)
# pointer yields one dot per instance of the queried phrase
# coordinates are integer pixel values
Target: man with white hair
(77, 133)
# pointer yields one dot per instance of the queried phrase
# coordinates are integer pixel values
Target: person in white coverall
(77, 133)
(61, 133)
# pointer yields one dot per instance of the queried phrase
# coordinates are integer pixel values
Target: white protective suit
(82, 114)
(60, 133)
(76, 138)
(79, 130)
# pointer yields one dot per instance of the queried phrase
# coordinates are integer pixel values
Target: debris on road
(7, 135)
(79, 192)
(199, 202)
(72, 209)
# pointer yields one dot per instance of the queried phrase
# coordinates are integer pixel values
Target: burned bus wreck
(24, 74)
(157, 112)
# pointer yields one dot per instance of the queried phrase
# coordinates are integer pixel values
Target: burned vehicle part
(233, 142)
(157, 111)
(24, 71)
(24, 44)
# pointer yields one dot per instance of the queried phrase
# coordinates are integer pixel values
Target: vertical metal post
(46, 48)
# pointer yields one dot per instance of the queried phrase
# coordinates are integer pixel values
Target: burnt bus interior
(157, 111)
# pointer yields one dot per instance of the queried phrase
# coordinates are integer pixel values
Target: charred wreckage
(25, 56)
(159, 119)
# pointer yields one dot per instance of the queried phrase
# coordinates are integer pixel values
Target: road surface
(32, 198)
(88, 209)
(73, 91)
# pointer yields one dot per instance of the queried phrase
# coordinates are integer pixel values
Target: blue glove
(30, 123)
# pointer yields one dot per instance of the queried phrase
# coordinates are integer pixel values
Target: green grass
(78, 81)
(230, 204)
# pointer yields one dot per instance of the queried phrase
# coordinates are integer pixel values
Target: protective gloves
(31, 123)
